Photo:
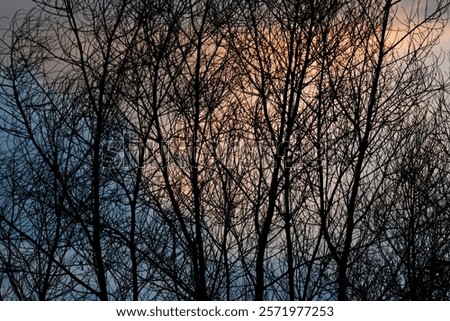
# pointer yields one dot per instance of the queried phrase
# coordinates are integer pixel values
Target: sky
(9, 7)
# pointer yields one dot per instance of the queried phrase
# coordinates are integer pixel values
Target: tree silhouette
(224, 150)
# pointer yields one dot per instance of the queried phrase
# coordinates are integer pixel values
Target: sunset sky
(179, 150)
(9, 7)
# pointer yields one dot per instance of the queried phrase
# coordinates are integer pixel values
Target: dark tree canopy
(225, 150)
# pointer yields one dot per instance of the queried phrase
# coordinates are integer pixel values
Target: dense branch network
(224, 150)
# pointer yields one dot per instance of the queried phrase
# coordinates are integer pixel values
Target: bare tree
(224, 150)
